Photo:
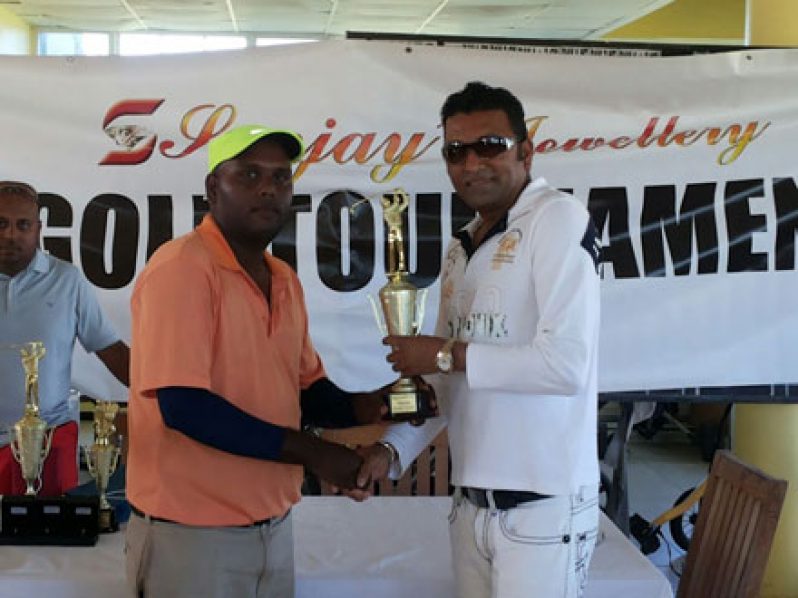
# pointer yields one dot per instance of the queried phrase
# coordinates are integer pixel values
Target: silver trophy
(31, 439)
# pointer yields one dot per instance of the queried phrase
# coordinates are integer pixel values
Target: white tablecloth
(385, 547)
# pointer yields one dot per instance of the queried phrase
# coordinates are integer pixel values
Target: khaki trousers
(170, 560)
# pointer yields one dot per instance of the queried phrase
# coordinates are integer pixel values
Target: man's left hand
(369, 407)
(414, 355)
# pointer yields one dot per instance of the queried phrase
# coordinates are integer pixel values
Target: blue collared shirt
(49, 301)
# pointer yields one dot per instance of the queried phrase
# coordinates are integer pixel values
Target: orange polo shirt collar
(223, 254)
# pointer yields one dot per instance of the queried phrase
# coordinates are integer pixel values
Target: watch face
(444, 362)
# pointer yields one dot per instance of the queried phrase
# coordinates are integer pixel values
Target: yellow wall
(774, 23)
(15, 34)
(764, 435)
(692, 21)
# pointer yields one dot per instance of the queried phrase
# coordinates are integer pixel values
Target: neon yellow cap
(231, 143)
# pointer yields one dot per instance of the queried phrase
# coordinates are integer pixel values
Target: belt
(502, 499)
(143, 515)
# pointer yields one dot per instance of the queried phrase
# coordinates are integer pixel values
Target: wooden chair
(732, 538)
(428, 475)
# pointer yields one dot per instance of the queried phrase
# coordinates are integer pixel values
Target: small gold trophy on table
(31, 442)
(102, 458)
(402, 311)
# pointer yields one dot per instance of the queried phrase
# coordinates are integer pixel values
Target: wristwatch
(444, 359)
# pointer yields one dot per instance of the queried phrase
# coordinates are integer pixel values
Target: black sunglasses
(488, 146)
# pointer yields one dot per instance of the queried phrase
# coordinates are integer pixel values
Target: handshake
(351, 470)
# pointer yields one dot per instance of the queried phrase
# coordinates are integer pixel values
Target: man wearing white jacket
(515, 353)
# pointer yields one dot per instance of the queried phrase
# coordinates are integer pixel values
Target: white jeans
(540, 549)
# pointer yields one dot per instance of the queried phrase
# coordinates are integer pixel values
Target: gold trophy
(402, 310)
(31, 442)
(102, 458)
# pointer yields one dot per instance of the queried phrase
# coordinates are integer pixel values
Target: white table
(386, 547)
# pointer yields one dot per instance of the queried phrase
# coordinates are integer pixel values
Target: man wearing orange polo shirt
(220, 355)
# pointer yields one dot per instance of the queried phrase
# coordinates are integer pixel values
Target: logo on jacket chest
(506, 249)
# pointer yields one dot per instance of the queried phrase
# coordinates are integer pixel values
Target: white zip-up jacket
(523, 414)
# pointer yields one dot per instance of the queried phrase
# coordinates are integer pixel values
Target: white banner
(687, 165)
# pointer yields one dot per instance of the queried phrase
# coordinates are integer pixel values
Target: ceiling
(542, 19)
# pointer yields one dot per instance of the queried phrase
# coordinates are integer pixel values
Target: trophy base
(107, 522)
(408, 405)
(56, 521)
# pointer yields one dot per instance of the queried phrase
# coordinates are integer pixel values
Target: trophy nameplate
(49, 521)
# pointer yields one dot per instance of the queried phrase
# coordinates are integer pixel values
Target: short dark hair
(477, 96)
(19, 188)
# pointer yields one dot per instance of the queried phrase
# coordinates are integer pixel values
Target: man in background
(43, 298)
(515, 352)
(223, 375)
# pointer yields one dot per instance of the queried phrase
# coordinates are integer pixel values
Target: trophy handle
(421, 302)
(378, 316)
(89, 463)
(48, 442)
(115, 458)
